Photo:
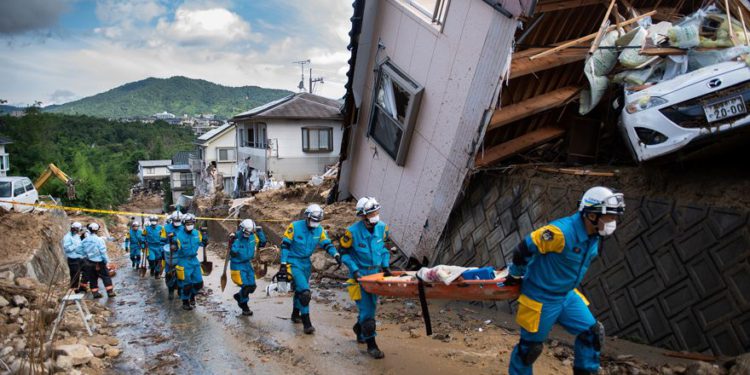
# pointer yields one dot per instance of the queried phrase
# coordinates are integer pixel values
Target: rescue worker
(364, 252)
(549, 264)
(246, 241)
(153, 240)
(187, 266)
(300, 240)
(135, 243)
(174, 224)
(74, 255)
(96, 265)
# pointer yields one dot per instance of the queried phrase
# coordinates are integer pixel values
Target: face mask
(189, 227)
(374, 220)
(177, 223)
(608, 229)
(246, 233)
(313, 224)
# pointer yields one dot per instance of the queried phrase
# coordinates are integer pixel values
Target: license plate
(726, 108)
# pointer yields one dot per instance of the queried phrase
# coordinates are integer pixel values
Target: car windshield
(5, 189)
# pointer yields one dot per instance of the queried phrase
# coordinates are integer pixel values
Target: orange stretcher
(461, 290)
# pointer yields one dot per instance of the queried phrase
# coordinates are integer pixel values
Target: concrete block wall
(675, 274)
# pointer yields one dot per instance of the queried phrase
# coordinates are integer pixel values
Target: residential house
(215, 164)
(180, 175)
(152, 172)
(4, 157)
(292, 138)
(423, 83)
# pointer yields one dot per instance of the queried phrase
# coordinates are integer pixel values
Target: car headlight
(644, 102)
(650, 137)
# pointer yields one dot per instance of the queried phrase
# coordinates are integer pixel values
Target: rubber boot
(186, 305)
(246, 310)
(308, 327)
(170, 294)
(373, 350)
(358, 332)
(192, 301)
(96, 295)
(236, 297)
(577, 371)
(295, 316)
(111, 293)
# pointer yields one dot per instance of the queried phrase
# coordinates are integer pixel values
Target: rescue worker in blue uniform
(74, 255)
(187, 266)
(244, 244)
(154, 243)
(549, 264)
(134, 241)
(300, 240)
(96, 262)
(168, 233)
(364, 252)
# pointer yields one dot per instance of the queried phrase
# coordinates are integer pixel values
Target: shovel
(226, 263)
(144, 262)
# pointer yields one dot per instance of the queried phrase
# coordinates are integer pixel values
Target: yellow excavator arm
(53, 170)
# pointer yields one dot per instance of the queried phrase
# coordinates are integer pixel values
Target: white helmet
(176, 218)
(188, 219)
(153, 219)
(603, 201)
(76, 226)
(135, 224)
(314, 213)
(366, 206)
(93, 227)
(247, 226)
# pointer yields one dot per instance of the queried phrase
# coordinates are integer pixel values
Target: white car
(672, 114)
(17, 189)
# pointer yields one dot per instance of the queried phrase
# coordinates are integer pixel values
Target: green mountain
(176, 95)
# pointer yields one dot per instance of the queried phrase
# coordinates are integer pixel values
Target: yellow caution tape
(127, 213)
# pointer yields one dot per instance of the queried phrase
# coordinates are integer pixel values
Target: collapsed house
(442, 97)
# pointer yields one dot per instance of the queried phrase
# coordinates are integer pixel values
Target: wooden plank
(589, 37)
(666, 51)
(532, 106)
(602, 29)
(551, 6)
(514, 146)
(521, 65)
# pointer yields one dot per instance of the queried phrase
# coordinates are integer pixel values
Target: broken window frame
(317, 131)
(230, 153)
(388, 75)
(259, 135)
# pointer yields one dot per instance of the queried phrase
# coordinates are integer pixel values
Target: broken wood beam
(577, 172)
(589, 37)
(663, 51)
(532, 106)
(521, 66)
(509, 148)
(552, 6)
(602, 29)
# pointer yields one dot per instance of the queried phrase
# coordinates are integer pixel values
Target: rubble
(79, 354)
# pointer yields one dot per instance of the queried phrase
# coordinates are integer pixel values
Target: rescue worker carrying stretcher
(169, 231)
(550, 264)
(364, 252)
(134, 241)
(187, 265)
(246, 241)
(153, 240)
(300, 240)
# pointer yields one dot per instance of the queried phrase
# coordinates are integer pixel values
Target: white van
(17, 189)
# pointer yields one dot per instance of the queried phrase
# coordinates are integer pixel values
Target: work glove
(232, 235)
(387, 272)
(355, 275)
(337, 258)
(173, 247)
(282, 275)
(233, 254)
(513, 280)
(171, 235)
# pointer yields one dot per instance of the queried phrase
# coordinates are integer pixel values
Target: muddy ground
(158, 337)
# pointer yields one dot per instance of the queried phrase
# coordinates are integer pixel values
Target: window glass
(5, 187)
(19, 189)
(29, 186)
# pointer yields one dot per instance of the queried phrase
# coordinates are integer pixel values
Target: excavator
(53, 170)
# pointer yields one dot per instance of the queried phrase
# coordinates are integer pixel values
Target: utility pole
(302, 64)
(314, 80)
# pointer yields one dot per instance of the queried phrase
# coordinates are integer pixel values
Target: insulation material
(631, 57)
(687, 33)
(596, 68)
(702, 59)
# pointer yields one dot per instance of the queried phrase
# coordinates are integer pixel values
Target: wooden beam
(521, 66)
(514, 146)
(552, 6)
(665, 51)
(532, 106)
(588, 37)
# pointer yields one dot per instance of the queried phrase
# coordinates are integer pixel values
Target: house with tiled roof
(290, 139)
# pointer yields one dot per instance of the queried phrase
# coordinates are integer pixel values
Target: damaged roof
(203, 139)
(297, 106)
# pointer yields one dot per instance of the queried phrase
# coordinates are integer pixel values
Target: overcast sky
(56, 51)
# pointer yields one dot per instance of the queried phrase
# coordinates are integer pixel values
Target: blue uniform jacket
(134, 240)
(153, 236)
(361, 249)
(188, 244)
(300, 241)
(561, 254)
(243, 248)
(72, 246)
(95, 248)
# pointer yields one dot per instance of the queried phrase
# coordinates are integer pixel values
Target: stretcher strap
(425, 308)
